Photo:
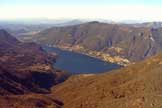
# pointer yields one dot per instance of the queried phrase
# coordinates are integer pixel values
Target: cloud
(113, 12)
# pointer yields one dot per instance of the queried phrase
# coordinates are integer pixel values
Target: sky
(115, 10)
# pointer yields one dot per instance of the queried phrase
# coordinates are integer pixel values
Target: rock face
(136, 86)
(25, 68)
(125, 41)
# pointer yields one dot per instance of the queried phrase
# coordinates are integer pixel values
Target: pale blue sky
(145, 10)
(80, 2)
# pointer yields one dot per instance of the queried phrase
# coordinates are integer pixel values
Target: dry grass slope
(136, 86)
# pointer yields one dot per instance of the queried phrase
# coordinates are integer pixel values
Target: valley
(135, 86)
(77, 63)
(96, 54)
(80, 53)
(119, 66)
(117, 43)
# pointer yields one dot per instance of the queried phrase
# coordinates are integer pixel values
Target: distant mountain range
(30, 27)
(133, 42)
(148, 24)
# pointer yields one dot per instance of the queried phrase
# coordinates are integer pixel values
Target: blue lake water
(76, 63)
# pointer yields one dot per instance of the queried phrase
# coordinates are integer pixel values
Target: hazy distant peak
(94, 22)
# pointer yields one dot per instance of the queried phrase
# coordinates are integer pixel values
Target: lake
(76, 63)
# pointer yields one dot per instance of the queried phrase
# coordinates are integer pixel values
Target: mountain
(26, 73)
(116, 40)
(17, 29)
(28, 80)
(149, 24)
(69, 23)
(136, 86)
(29, 27)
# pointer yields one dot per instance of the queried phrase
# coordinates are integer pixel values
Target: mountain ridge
(125, 41)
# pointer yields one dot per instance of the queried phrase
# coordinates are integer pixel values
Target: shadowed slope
(26, 64)
(26, 70)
